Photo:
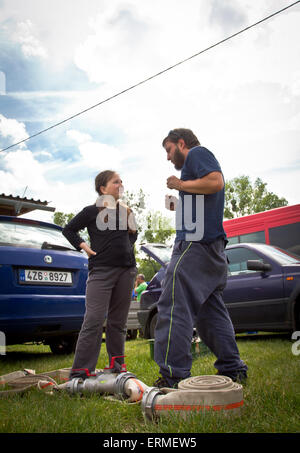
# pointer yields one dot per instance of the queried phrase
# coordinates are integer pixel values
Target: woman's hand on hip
(84, 246)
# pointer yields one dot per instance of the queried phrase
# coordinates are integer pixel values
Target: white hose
(196, 394)
(135, 389)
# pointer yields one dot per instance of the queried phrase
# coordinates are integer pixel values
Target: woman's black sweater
(114, 247)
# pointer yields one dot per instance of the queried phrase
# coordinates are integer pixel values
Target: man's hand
(211, 183)
(173, 183)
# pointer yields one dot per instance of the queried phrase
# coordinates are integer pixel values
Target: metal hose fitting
(148, 402)
(104, 383)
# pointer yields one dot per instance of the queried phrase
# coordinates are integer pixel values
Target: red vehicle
(279, 227)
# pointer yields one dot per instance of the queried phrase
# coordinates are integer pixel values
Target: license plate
(45, 277)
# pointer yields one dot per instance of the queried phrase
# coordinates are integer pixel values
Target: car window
(162, 252)
(26, 235)
(257, 237)
(283, 257)
(238, 260)
(233, 240)
(286, 236)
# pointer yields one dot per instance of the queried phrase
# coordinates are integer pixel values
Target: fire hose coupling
(120, 382)
(73, 386)
(148, 402)
(103, 383)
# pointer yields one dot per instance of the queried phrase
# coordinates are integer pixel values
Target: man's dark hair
(102, 179)
(187, 135)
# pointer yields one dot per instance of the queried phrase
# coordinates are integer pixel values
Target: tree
(158, 228)
(148, 267)
(244, 198)
(136, 201)
(62, 218)
(153, 226)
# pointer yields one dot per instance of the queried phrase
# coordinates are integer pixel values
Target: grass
(271, 395)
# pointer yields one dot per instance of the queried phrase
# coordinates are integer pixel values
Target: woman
(112, 270)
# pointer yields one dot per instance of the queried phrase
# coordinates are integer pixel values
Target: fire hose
(195, 394)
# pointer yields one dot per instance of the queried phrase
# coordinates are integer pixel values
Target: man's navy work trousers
(192, 297)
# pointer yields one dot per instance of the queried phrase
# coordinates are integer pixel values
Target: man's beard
(178, 159)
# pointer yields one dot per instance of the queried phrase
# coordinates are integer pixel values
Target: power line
(153, 76)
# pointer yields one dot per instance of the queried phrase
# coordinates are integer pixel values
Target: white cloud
(30, 44)
(21, 169)
(227, 15)
(78, 137)
(21, 164)
(95, 154)
(131, 41)
(12, 129)
(44, 154)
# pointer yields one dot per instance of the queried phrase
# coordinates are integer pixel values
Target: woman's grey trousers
(108, 297)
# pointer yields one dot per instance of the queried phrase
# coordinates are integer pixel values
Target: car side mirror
(256, 265)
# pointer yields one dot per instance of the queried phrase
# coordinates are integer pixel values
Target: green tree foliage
(158, 228)
(244, 198)
(136, 201)
(62, 218)
(147, 266)
(153, 226)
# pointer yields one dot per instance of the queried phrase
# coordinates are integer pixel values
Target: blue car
(42, 281)
(262, 292)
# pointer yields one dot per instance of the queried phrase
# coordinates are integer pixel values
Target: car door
(254, 299)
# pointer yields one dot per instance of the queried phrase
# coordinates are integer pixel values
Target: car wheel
(152, 325)
(131, 334)
(65, 345)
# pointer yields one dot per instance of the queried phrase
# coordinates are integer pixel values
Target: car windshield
(163, 252)
(30, 235)
(282, 256)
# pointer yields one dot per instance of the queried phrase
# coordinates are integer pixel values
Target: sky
(241, 99)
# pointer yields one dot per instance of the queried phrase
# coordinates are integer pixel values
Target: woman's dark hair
(187, 135)
(102, 179)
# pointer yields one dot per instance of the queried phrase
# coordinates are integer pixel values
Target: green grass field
(271, 395)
